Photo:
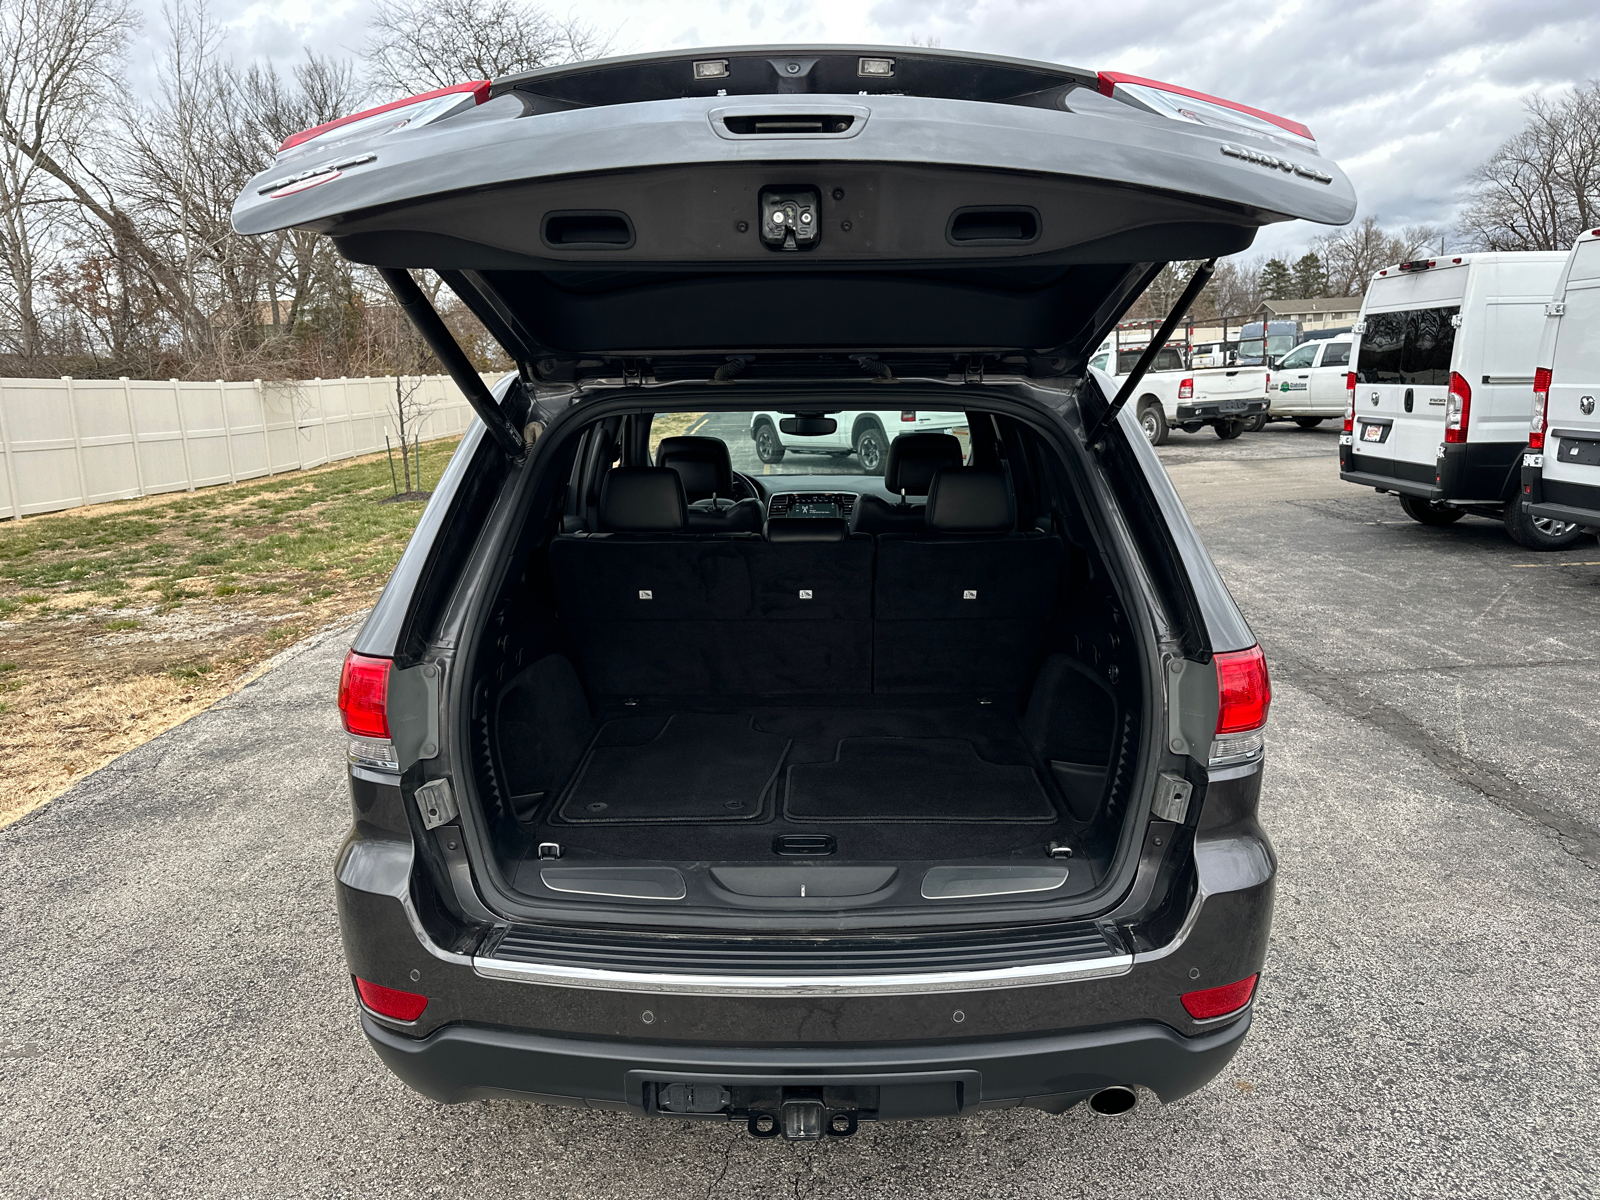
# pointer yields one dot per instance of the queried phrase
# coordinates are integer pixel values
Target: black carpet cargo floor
(683, 767)
(914, 779)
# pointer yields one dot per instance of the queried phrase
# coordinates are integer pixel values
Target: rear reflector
(406, 1006)
(1538, 420)
(1457, 410)
(418, 109)
(1219, 1001)
(364, 695)
(1183, 104)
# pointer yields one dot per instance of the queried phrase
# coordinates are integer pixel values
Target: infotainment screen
(814, 508)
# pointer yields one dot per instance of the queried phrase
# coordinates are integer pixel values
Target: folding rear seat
(909, 469)
(964, 608)
(707, 473)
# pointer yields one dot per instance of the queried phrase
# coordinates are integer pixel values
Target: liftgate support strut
(1201, 277)
(444, 346)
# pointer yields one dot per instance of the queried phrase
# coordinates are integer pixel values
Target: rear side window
(1167, 359)
(1336, 355)
(1098, 362)
(1411, 347)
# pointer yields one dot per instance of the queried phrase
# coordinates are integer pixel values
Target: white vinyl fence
(68, 442)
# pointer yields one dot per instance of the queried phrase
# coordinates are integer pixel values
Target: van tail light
(1244, 694)
(1457, 410)
(406, 1006)
(1538, 420)
(1219, 1001)
(364, 708)
(1186, 390)
(1349, 401)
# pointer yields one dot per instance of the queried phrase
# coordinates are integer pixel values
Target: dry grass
(121, 620)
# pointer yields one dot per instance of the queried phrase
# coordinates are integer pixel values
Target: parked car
(1561, 466)
(1312, 382)
(866, 435)
(1446, 351)
(1263, 343)
(794, 826)
(1170, 393)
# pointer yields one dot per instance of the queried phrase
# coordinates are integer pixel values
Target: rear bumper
(1559, 499)
(1212, 411)
(468, 1062)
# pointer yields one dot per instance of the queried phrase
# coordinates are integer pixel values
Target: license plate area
(1578, 452)
(1375, 434)
(1230, 406)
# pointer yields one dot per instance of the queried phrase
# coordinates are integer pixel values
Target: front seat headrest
(783, 530)
(701, 462)
(641, 500)
(970, 500)
(914, 457)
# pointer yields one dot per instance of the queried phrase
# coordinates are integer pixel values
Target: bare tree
(59, 59)
(1541, 188)
(417, 45)
(1354, 254)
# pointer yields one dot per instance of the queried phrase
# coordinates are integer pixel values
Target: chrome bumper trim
(805, 985)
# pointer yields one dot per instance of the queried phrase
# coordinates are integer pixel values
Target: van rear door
(1571, 474)
(1403, 372)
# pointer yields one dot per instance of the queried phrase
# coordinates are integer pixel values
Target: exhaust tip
(1113, 1101)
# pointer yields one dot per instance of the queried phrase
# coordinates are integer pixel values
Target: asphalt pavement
(176, 1020)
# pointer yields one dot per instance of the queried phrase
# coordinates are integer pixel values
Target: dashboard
(812, 504)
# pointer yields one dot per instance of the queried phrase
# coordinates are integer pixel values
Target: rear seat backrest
(653, 612)
(707, 473)
(964, 607)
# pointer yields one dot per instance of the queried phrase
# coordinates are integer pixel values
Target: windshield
(857, 444)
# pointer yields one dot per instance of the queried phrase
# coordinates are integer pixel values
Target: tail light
(1186, 390)
(1269, 381)
(1181, 104)
(1244, 694)
(1457, 410)
(1219, 1001)
(908, 418)
(393, 1003)
(1349, 401)
(364, 708)
(1538, 420)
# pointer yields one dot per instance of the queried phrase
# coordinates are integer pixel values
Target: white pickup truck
(1170, 394)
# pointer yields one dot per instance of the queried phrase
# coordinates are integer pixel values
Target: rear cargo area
(933, 697)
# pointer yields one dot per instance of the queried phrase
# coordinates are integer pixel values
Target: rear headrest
(701, 462)
(807, 529)
(914, 457)
(641, 500)
(970, 500)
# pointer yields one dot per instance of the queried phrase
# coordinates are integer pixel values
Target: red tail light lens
(393, 1003)
(1219, 1001)
(427, 105)
(1350, 401)
(364, 695)
(1457, 410)
(1186, 390)
(908, 418)
(1538, 420)
(1244, 693)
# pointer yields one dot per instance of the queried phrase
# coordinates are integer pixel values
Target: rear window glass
(1336, 355)
(1585, 262)
(1411, 347)
(858, 444)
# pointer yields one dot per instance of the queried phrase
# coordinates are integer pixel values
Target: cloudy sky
(1407, 97)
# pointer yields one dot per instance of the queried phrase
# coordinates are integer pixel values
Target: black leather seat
(963, 606)
(914, 459)
(642, 500)
(707, 473)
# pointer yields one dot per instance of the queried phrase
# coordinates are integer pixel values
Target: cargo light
(364, 708)
(1186, 390)
(1457, 410)
(392, 1002)
(1183, 104)
(1220, 1001)
(1349, 401)
(413, 110)
(1538, 421)
(1419, 265)
(1244, 694)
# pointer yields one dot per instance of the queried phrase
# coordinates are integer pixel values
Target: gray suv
(802, 793)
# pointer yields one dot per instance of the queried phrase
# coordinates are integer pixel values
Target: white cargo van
(1311, 384)
(1561, 468)
(1445, 355)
